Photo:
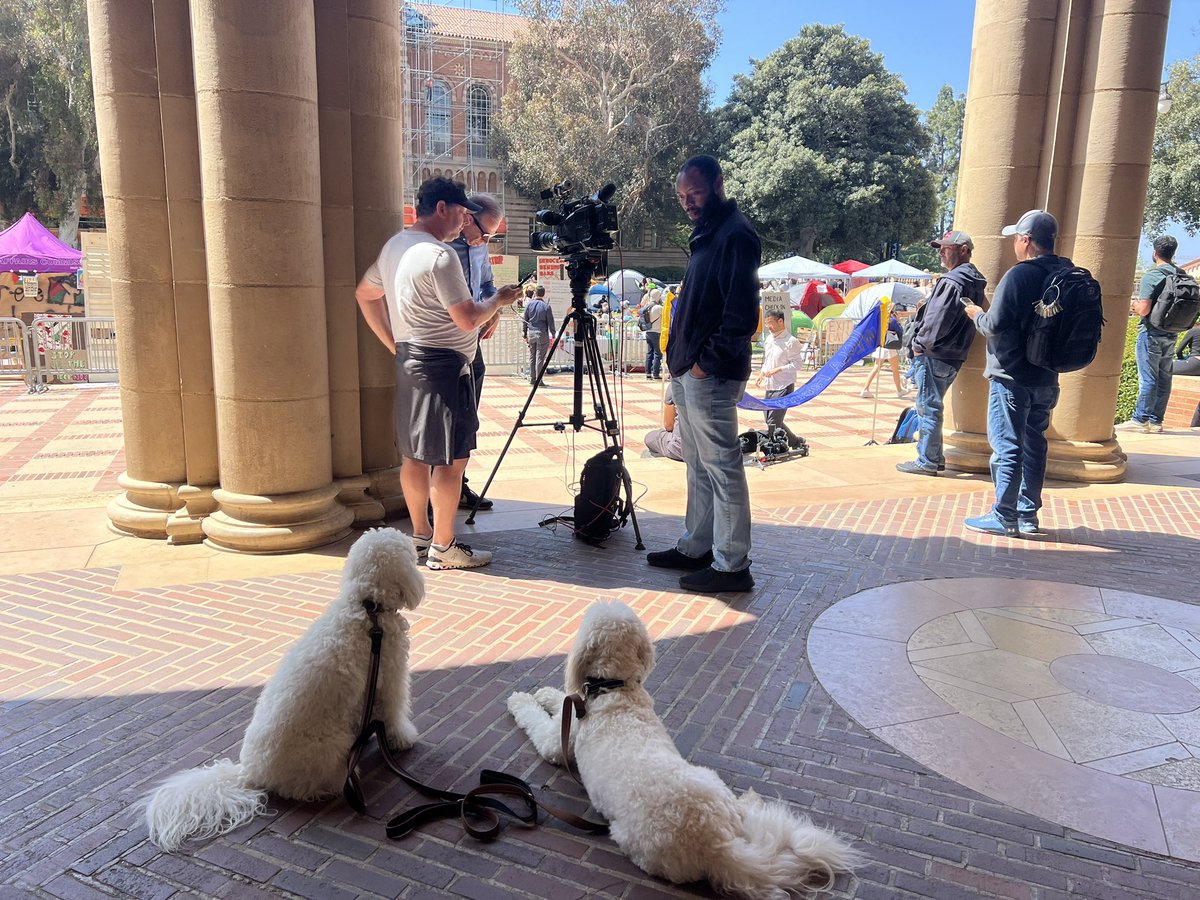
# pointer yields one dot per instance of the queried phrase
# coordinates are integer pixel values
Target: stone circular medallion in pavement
(1077, 704)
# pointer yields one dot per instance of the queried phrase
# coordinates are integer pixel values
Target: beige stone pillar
(1104, 195)
(1041, 70)
(376, 48)
(193, 337)
(256, 104)
(129, 129)
(337, 216)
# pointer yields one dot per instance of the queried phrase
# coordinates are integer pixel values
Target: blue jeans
(933, 378)
(718, 499)
(1154, 351)
(653, 353)
(1017, 421)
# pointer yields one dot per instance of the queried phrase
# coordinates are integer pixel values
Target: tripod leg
(537, 383)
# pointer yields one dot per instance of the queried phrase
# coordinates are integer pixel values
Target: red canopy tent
(850, 266)
(26, 246)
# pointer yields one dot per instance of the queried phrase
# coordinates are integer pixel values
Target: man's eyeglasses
(487, 235)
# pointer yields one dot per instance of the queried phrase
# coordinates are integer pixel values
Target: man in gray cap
(1021, 394)
(942, 337)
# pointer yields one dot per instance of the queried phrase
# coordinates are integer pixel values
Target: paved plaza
(982, 717)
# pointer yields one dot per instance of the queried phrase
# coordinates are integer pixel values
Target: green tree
(944, 123)
(1174, 188)
(47, 118)
(823, 151)
(608, 91)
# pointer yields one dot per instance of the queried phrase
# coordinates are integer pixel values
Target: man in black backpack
(941, 338)
(1021, 394)
(1155, 347)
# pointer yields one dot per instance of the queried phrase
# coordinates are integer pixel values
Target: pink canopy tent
(26, 246)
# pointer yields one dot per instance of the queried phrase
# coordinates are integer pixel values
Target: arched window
(481, 182)
(437, 118)
(426, 174)
(479, 122)
(491, 182)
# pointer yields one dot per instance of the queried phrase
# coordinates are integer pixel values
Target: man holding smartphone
(537, 327)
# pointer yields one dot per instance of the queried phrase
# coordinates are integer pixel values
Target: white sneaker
(1133, 426)
(865, 393)
(457, 556)
(422, 545)
(1154, 429)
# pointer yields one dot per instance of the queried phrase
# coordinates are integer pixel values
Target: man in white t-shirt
(416, 301)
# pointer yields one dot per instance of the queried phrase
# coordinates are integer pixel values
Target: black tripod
(580, 267)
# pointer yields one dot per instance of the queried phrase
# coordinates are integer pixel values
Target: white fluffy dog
(673, 819)
(310, 712)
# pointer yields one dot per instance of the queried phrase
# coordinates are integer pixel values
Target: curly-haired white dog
(674, 819)
(310, 711)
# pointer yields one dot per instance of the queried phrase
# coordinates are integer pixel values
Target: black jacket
(715, 316)
(944, 331)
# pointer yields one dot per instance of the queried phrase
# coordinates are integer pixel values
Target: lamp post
(1164, 100)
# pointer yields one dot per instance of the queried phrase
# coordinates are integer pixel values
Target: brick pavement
(105, 688)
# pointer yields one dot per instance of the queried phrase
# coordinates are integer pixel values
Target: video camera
(586, 223)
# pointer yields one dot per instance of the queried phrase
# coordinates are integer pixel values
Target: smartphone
(526, 278)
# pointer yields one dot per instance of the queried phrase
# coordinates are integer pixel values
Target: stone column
(1104, 195)
(193, 338)
(256, 103)
(129, 129)
(1041, 71)
(376, 108)
(337, 216)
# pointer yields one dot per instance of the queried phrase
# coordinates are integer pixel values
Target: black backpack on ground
(1178, 303)
(599, 509)
(1067, 321)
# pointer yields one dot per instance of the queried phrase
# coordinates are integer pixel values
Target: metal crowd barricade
(15, 356)
(71, 349)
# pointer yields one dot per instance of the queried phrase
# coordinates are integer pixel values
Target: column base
(385, 488)
(353, 493)
(144, 509)
(185, 526)
(283, 523)
(1086, 462)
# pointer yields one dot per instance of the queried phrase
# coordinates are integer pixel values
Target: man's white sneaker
(457, 556)
(1133, 426)
(1154, 428)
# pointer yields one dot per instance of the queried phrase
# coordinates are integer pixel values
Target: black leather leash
(479, 809)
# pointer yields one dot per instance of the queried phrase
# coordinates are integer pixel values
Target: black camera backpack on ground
(1178, 303)
(1067, 321)
(599, 509)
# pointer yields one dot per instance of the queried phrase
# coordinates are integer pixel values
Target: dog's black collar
(594, 687)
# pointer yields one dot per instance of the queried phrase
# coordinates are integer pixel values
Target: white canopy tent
(800, 267)
(891, 268)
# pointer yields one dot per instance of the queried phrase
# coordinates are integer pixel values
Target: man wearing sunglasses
(473, 252)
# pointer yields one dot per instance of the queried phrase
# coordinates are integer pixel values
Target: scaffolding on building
(453, 74)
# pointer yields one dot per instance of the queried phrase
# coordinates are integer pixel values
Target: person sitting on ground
(668, 440)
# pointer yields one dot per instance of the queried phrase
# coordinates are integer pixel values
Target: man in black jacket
(941, 339)
(1021, 394)
(713, 321)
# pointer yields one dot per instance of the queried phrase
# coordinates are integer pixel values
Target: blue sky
(926, 42)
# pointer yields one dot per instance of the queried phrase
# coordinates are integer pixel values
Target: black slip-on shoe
(673, 559)
(714, 581)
